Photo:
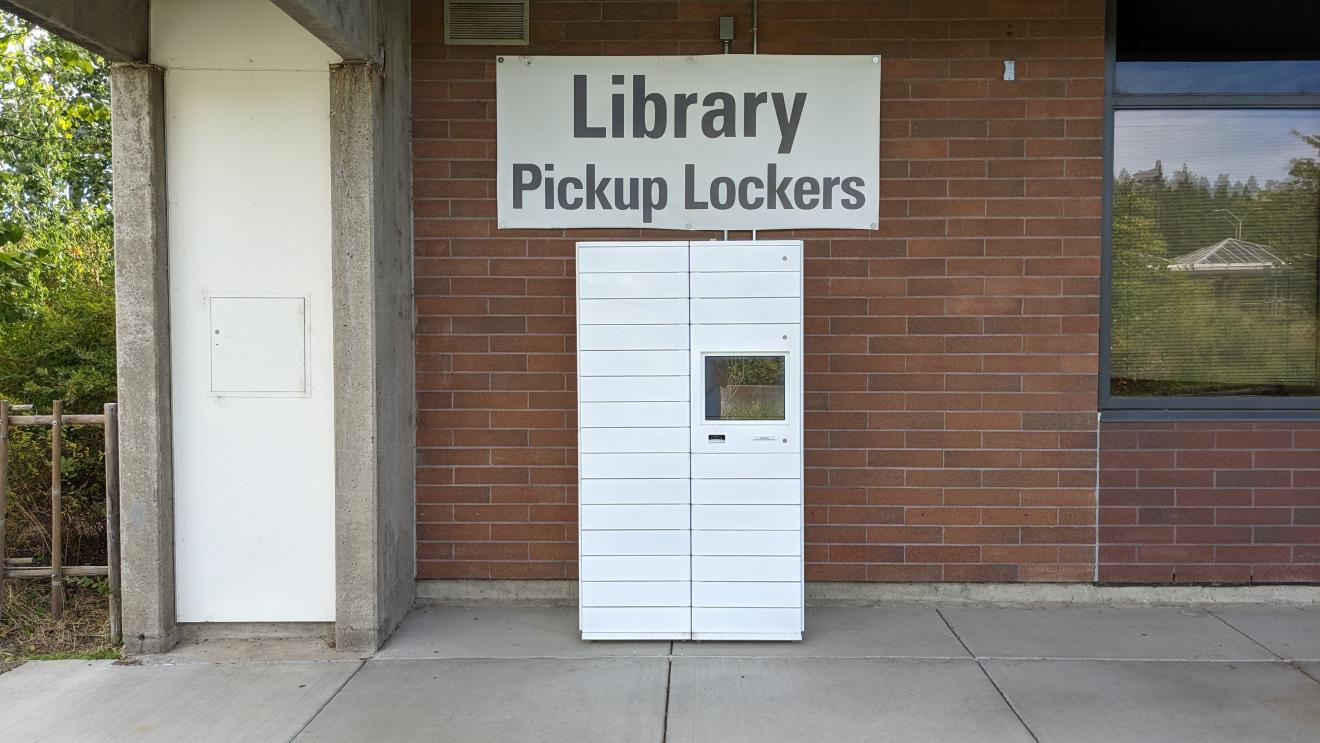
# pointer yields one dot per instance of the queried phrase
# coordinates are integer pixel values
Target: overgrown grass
(28, 632)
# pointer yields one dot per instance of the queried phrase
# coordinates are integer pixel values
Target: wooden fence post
(112, 518)
(4, 489)
(56, 508)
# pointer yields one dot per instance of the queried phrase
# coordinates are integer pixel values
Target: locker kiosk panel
(747, 256)
(736, 623)
(748, 595)
(635, 439)
(633, 338)
(634, 491)
(634, 462)
(633, 363)
(633, 311)
(690, 440)
(662, 516)
(633, 414)
(624, 593)
(744, 542)
(746, 375)
(634, 389)
(657, 257)
(633, 285)
(635, 542)
(745, 284)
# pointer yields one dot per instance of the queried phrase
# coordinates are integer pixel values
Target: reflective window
(1214, 252)
(744, 388)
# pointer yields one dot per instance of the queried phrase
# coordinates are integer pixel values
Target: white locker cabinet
(690, 440)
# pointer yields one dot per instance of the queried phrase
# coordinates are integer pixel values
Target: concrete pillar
(143, 330)
(375, 411)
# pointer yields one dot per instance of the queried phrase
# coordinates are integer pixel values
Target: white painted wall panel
(632, 285)
(632, 311)
(633, 491)
(232, 35)
(621, 440)
(633, 389)
(248, 178)
(632, 337)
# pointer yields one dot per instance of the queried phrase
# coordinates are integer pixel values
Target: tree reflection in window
(1214, 253)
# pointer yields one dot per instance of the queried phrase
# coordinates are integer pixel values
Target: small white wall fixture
(690, 440)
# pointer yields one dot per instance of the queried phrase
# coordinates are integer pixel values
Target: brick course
(951, 354)
(1210, 502)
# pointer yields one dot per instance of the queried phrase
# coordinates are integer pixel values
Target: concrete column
(143, 330)
(375, 411)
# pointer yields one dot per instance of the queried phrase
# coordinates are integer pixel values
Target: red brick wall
(951, 354)
(1210, 503)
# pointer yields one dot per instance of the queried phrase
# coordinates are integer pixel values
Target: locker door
(746, 438)
(634, 456)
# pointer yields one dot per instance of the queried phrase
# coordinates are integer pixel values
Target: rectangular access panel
(690, 440)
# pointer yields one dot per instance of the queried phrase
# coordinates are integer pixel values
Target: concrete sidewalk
(901, 673)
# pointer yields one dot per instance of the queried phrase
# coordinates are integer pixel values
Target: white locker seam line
(691, 543)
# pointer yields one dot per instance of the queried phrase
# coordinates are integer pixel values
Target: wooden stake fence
(57, 571)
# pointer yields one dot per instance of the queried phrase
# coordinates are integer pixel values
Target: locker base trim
(762, 636)
(589, 636)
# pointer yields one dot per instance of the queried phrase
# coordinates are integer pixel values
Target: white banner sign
(692, 143)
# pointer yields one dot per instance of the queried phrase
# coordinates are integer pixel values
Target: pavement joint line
(361, 664)
(669, 685)
(755, 656)
(1231, 626)
(1011, 707)
(145, 661)
(1292, 663)
(1302, 670)
(1101, 659)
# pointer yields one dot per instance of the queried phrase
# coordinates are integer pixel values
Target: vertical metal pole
(4, 488)
(112, 517)
(56, 508)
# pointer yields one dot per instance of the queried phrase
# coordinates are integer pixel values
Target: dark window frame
(1180, 407)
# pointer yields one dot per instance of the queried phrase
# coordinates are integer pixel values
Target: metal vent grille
(486, 21)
